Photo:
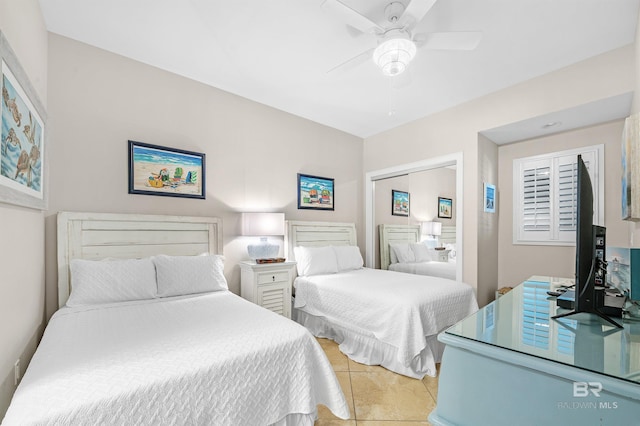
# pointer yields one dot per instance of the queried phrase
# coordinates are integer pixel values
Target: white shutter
(545, 195)
(536, 208)
(567, 196)
(533, 206)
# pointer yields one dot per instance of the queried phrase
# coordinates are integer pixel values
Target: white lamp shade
(431, 228)
(262, 224)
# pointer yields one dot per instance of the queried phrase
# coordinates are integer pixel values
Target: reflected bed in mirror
(402, 250)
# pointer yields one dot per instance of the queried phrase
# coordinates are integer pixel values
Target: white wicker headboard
(391, 234)
(300, 233)
(105, 235)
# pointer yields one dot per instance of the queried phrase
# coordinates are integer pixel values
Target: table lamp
(263, 225)
(431, 230)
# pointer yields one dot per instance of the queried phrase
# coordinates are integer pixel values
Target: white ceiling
(278, 52)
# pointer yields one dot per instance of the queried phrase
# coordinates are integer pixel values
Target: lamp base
(264, 250)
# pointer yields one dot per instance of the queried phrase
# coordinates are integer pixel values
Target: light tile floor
(377, 396)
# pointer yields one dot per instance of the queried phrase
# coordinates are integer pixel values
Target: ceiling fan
(396, 44)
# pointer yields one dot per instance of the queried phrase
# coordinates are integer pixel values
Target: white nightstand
(443, 255)
(268, 285)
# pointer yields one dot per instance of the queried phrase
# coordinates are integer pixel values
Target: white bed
(426, 261)
(201, 358)
(377, 317)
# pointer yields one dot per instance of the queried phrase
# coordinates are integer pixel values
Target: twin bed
(148, 333)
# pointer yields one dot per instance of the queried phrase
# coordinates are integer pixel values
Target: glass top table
(520, 321)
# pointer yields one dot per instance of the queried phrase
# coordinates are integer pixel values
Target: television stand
(594, 311)
(611, 304)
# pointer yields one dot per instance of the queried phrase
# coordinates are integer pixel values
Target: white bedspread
(432, 268)
(398, 309)
(212, 359)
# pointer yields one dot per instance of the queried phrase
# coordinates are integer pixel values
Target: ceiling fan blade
(455, 40)
(353, 62)
(415, 11)
(352, 17)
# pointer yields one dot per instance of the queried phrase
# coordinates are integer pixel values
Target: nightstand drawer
(272, 277)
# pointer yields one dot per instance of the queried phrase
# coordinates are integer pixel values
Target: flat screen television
(590, 246)
(585, 244)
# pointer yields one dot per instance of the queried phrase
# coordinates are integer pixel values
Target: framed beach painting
(171, 172)
(445, 207)
(315, 192)
(489, 198)
(22, 136)
(399, 203)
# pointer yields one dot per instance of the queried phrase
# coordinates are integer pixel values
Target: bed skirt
(366, 349)
(297, 419)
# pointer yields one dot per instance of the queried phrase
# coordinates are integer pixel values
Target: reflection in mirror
(415, 222)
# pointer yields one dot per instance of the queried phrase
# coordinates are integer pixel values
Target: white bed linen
(402, 312)
(204, 359)
(432, 268)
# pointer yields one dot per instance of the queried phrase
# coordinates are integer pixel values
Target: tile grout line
(353, 398)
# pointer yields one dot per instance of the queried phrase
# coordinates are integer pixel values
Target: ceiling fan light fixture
(394, 54)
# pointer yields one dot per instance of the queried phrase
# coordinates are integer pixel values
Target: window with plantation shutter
(545, 197)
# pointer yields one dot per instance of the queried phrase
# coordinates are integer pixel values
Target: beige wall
(424, 189)
(517, 261)
(487, 222)
(99, 100)
(635, 108)
(456, 130)
(22, 229)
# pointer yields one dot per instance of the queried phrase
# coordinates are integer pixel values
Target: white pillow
(107, 281)
(392, 256)
(348, 258)
(315, 260)
(178, 275)
(403, 252)
(421, 253)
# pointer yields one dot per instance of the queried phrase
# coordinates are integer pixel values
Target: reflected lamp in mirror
(263, 225)
(431, 231)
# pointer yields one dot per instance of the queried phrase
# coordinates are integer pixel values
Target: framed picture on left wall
(23, 164)
(171, 172)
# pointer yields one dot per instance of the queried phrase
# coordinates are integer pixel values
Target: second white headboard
(302, 233)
